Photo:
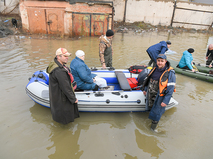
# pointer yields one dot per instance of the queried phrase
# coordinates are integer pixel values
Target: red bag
(137, 68)
(132, 82)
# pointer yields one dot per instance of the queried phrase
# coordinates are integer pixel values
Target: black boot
(96, 88)
(154, 125)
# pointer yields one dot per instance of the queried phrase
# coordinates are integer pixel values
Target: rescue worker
(209, 56)
(105, 49)
(159, 48)
(158, 88)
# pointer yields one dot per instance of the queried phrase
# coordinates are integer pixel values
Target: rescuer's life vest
(163, 81)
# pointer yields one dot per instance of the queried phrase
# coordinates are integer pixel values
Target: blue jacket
(157, 110)
(186, 60)
(82, 74)
(155, 50)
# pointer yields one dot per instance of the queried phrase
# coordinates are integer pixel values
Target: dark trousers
(186, 67)
(152, 61)
(209, 60)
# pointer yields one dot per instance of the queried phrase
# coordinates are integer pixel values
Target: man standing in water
(209, 56)
(154, 50)
(158, 88)
(105, 49)
(63, 103)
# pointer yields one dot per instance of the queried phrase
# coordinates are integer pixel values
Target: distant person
(105, 49)
(159, 48)
(186, 60)
(209, 56)
(14, 23)
(82, 74)
(63, 102)
(158, 88)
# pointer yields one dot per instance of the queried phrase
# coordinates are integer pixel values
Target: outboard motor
(142, 75)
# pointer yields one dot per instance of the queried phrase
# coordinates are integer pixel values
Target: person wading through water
(63, 102)
(158, 88)
(105, 49)
(209, 56)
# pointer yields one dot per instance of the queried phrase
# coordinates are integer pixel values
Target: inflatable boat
(120, 97)
(203, 68)
(203, 73)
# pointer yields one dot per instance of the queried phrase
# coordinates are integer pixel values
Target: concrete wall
(11, 6)
(159, 12)
(187, 16)
(151, 12)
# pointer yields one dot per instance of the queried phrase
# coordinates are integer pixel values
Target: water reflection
(64, 138)
(149, 144)
(67, 139)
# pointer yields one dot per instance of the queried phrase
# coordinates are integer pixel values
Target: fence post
(211, 26)
(173, 14)
(124, 19)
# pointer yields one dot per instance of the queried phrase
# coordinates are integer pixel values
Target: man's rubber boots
(154, 125)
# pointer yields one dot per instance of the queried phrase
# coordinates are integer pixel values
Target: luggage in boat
(136, 83)
(136, 68)
(133, 83)
(142, 75)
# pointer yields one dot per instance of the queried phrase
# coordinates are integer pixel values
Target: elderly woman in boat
(82, 74)
(186, 60)
(209, 56)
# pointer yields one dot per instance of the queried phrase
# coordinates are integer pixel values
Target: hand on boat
(163, 104)
(193, 70)
(210, 66)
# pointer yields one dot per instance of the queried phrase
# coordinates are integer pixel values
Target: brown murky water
(28, 131)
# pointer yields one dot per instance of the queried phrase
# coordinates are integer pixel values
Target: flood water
(28, 131)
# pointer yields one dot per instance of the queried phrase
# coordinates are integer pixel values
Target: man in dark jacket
(63, 103)
(159, 48)
(158, 87)
(209, 56)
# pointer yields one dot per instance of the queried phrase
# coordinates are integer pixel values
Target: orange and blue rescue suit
(166, 88)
